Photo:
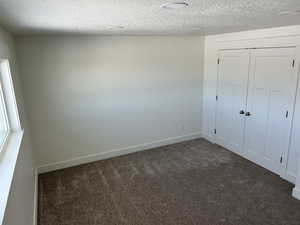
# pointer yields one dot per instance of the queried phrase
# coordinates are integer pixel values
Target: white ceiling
(143, 16)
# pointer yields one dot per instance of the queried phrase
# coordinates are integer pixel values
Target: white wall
(20, 206)
(90, 94)
(282, 36)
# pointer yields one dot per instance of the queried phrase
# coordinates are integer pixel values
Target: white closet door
(272, 88)
(232, 95)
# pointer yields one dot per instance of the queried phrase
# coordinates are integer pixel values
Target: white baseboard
(114, 153)
(290, 177)
(296, 193)
(35, 203)
(208, 137)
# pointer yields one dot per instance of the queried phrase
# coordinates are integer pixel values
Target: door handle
(242, 112)
(248, 114)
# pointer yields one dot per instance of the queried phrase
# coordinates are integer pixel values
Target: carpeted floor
(190, 183)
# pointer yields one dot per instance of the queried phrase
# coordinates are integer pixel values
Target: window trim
(7, 125)
(9, 96)
(11, 145)
(8, 161)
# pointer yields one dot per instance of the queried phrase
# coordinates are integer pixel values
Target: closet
(256, 91)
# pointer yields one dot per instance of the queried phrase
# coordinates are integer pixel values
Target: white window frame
(11, 146)
(8, 98)
(5, 133)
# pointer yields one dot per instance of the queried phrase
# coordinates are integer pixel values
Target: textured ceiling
(143, 16)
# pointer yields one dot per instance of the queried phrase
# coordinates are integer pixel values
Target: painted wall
(20, 208)
(281, 36)
(90, 94)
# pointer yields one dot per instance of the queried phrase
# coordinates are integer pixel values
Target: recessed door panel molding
(231, 98)
(270, 103)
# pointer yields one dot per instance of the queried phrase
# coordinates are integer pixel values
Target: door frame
(283, 42)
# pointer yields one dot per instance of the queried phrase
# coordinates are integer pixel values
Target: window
(4, 125)
(11, 133)
(9, 117)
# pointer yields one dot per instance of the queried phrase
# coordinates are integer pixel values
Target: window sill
(8, 160)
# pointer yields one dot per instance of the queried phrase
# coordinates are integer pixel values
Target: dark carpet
(190, 183)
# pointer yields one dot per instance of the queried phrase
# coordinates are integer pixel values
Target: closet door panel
(232, 93)
(272, 88)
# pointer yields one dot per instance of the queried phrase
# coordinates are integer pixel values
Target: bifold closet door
(232, 96)
(272, 88)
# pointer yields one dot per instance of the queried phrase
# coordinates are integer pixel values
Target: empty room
(150, 112)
